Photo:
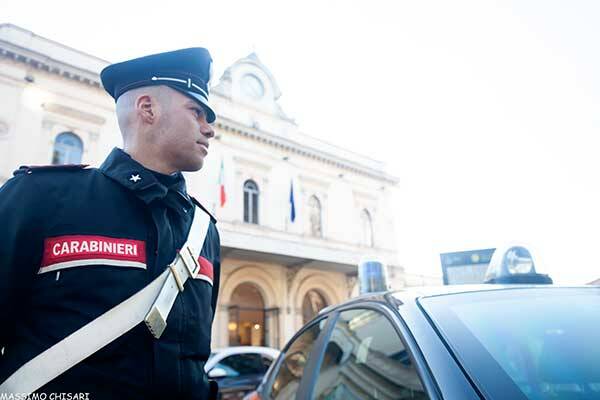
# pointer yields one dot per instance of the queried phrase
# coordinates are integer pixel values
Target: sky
(487, 112)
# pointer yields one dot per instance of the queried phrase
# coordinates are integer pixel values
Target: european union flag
(292, 205)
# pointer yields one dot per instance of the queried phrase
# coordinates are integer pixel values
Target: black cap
(187, 71)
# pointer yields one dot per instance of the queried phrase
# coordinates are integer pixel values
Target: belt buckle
(176, 277)
(192, 269)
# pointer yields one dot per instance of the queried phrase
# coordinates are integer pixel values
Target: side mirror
(217, 373)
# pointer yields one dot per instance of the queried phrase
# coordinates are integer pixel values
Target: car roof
(247, 349)
(429, 291)
(413, 293)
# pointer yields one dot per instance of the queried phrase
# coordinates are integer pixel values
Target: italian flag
(223, 196)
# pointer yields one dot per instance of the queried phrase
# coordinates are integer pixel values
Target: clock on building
(252, 86)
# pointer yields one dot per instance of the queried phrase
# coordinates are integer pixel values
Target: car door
(244, 373)
(363, 357)
(286, 375)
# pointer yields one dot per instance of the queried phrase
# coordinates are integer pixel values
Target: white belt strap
(151, 304)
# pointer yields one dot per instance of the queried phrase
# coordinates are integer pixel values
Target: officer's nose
(207, 130)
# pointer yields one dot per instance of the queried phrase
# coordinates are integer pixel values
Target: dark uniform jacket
(75, 242)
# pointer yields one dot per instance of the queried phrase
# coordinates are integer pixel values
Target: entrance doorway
(250, 323)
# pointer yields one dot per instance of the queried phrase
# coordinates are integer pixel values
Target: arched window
(367, 228)
(314, 209)
(251, 202)
(68, 149)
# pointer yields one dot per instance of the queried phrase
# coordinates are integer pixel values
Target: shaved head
(163, 128)
(127, 107)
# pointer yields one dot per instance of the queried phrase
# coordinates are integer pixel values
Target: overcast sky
(488, 112)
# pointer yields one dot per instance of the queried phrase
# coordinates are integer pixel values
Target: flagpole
(221, 187)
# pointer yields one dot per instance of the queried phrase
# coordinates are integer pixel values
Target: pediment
(249, 82)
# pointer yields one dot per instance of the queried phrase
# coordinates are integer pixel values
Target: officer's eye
(198, 111)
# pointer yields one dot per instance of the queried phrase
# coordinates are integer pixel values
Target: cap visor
(210, 113)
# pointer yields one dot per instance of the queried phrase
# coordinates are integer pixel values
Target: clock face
(252, 87)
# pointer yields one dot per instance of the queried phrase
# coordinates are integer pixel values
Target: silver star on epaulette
(135, 178)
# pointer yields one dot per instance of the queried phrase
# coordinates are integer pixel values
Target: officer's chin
(193, 165)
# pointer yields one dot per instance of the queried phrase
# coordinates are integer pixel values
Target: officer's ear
(145, 107)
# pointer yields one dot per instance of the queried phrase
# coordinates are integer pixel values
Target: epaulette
(29, 169)
(196, 202)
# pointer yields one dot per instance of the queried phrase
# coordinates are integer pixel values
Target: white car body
(219, 354)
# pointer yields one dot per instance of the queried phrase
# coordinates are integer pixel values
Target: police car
(519, 337)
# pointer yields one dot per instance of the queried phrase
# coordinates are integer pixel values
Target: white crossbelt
(151, 304)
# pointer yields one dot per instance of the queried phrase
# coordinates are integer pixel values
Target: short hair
(125, 106)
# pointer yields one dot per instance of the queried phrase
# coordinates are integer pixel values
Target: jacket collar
(146, 184)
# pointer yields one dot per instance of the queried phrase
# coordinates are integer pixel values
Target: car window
(525, 343)
(266, 362)
(287, 378)
(365, 359)
(242, 364)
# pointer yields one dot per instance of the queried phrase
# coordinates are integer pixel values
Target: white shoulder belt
(151, 305)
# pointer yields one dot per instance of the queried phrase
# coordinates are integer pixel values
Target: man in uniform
(76, 241)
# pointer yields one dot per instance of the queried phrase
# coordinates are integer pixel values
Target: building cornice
(266, 240)
(229, 125)
(74, 113)
(34, 58)
(48, 64)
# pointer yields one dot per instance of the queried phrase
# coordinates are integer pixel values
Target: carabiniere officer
(77, 241)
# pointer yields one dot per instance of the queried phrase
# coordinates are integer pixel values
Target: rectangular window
(254, 218)
(246, 207)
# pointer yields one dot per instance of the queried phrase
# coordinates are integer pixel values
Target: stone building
(277, 272)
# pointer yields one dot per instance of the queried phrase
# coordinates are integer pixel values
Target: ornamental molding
(74, 113)
(231, 126)
(290, 275)
(253, 164)
(362, 197)
(45, 63)
(314, 182)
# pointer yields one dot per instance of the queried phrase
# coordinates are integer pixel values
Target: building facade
(278, 268)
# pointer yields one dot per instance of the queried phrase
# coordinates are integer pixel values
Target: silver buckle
(177, 278)
(194, 267)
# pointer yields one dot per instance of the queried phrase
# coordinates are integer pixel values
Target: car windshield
(526, 343)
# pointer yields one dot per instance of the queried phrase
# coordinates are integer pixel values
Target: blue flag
(292, 205)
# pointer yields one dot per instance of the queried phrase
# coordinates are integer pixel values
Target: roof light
(372, 275)
(514, 264)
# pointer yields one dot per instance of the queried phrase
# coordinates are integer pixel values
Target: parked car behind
(239, 369)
